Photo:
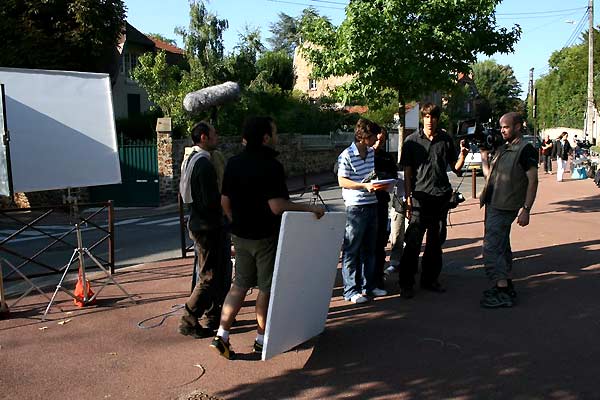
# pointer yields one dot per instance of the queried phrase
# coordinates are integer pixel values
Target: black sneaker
(195, 331)
(496, 298)
(222, 347)
(257, 348)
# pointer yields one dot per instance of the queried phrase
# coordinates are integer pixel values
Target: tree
(498, 86)
(241, 64)
(562, 93)
(285, 34)
(276, 68)
(76, 35)
(407, 46)
(162, 38)
(286, 31)
(203, 43)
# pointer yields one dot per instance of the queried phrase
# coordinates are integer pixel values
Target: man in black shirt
(254, 197)
(385, 168)
(426, 155)
(199, 187)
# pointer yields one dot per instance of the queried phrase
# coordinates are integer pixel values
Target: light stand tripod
(316, 197)
(81, 252)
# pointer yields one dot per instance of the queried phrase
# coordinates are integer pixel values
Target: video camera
(483, 135)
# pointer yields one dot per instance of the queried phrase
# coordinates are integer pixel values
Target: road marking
(128, 221)
(158, 221)
(171, 223)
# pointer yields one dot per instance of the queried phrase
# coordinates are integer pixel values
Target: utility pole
(530, 89)
(589, 113)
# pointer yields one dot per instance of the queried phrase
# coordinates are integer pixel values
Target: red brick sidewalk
(431, 347)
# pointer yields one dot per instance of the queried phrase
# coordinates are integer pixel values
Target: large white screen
(62, 129)
(305, 266)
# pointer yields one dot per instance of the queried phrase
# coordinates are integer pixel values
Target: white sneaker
(378, 292)
(358, 299)
(390, 270)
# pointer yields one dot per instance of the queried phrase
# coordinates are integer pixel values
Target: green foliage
(158, 36)
(76, 35)
(276, 68)
(498, 86)
(408, 46)
(266, 78)
(285, 34)
(383, 115)
(203, 43)
(562, 93)
(286, 31)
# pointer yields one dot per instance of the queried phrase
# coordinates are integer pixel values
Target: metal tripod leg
(32, 286)
(108, 276)
(59, 286)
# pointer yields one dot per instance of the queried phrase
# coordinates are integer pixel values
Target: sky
(548, 25)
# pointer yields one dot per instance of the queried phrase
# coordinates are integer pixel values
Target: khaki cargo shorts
(254, 262)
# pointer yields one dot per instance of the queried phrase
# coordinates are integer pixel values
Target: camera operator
(509, 193)
(426, 155)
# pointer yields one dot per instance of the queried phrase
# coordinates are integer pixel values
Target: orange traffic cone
(79, 291)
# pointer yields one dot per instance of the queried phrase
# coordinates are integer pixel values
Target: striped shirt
(351, 166)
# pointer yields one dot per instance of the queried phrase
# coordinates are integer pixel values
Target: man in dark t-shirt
(254, 197)
(426, 155)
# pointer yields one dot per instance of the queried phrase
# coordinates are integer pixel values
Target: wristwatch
(527, 208)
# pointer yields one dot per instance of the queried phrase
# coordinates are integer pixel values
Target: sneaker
(510, 289)
(257, 347)
(378, 292)
(195, 331)
(222, 347)
(390, 270)
(496, 298)
(358, 299)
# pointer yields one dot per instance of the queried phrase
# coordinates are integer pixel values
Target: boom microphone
(211, 96)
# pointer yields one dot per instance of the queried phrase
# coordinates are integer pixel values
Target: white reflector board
(62, 129)
(305, 266)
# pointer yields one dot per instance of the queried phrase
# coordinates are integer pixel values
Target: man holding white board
(254, 196)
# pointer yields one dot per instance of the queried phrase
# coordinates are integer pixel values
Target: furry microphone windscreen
(211, 96)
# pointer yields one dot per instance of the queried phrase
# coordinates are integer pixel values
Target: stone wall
(296, 160)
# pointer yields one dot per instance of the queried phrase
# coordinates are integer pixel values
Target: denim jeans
(358, 253)
(497, 253)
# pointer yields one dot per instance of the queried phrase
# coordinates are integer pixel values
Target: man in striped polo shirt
(358, 254)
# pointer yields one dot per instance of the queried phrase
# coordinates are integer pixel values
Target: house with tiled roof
(129, 99)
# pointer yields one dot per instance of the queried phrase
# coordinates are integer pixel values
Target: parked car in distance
(536, 141)
(473, 160)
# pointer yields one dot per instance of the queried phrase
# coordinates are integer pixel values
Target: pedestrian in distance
(254, 196)
(510, 189)
(426, 155)
(563, 151)
(547, 149)
(199, 187)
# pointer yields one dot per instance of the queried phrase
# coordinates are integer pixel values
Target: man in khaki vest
(509, 193)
